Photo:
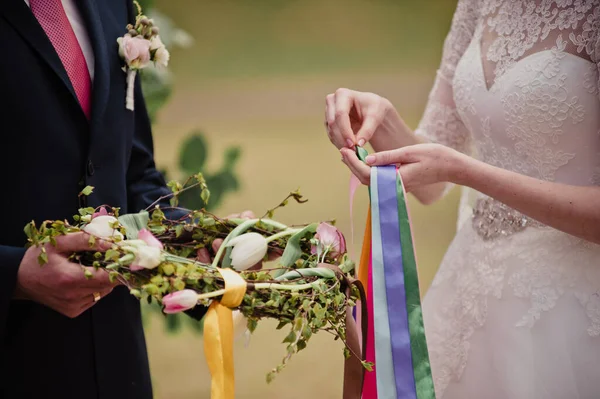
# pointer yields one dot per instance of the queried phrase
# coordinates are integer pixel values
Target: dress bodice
(518, 88)
(540, 117)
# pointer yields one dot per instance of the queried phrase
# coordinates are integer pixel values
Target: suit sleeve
(10, 259)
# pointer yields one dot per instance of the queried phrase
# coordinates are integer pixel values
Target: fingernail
(370, 159)
(350, 143)
(361, 142)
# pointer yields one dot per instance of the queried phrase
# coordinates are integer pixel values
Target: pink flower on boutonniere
(138, 47)
(135, 50)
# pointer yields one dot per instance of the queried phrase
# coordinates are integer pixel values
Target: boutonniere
(139, 47)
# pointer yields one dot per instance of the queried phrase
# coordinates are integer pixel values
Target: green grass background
(257, 76)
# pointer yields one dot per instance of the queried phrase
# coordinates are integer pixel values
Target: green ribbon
(418, 342)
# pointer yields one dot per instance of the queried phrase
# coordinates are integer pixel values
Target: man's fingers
(76, 242)
(99, 279)
(243, 215)
(274, 254)
(203, 255)
(216, 244)
(358, 168)
(247, 215)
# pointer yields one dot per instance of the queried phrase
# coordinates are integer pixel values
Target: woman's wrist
(393, 132)
(461, 167)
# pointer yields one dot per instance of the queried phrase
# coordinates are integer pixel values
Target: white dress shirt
(80, 32)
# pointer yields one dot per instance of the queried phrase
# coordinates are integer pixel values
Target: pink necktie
(53, 19)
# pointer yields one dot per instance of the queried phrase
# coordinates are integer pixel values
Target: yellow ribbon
(365, 255)
(218, 335)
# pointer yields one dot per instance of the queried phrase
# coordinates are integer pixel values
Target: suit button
(90, 168)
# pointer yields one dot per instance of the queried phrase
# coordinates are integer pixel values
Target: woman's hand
(354, 118)
(420, 164)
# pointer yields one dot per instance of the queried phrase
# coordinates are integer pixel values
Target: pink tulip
(179, 301)
(101, 212)
(146, 236)
(330, 239)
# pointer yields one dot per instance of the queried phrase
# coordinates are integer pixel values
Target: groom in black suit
(64, 125)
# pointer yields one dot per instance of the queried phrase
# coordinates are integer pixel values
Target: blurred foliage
(194, 153)
(157, 87)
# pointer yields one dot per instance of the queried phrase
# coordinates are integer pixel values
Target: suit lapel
(90, 14)
(23, 21)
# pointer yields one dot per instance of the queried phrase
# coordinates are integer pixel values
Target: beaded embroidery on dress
(514, 310)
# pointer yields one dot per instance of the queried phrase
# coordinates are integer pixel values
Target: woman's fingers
(367, 129)
(344, 101)
(330, 121)
(398, 156)
(358, 167)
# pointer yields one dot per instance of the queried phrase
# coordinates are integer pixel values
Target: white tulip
(101, 227)
(248, 250)
(146, 257)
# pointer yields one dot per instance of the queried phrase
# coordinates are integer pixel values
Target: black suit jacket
(50, 151)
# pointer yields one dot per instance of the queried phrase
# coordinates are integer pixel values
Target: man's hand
(204, 254)
(60, 284)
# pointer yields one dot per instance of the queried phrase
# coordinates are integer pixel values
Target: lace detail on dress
(519, 25)
(442, 124)
(537, 112)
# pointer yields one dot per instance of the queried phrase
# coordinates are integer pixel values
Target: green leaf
(87, 190)
(112, 276)
(168, 269)
(193, 154)
(133, 223)
(290, 338)
(252, 324)
(282, 323)
(301, 344)
(292, 251)
(111, 254)
(43, 257)
(178, 230)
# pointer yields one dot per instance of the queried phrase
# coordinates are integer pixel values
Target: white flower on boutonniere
(161, 55)
(140, 46)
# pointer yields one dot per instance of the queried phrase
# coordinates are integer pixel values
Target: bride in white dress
(514, 311)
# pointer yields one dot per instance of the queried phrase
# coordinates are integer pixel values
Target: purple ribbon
(394, 283)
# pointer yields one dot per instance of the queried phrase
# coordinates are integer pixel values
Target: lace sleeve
(441, 122)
